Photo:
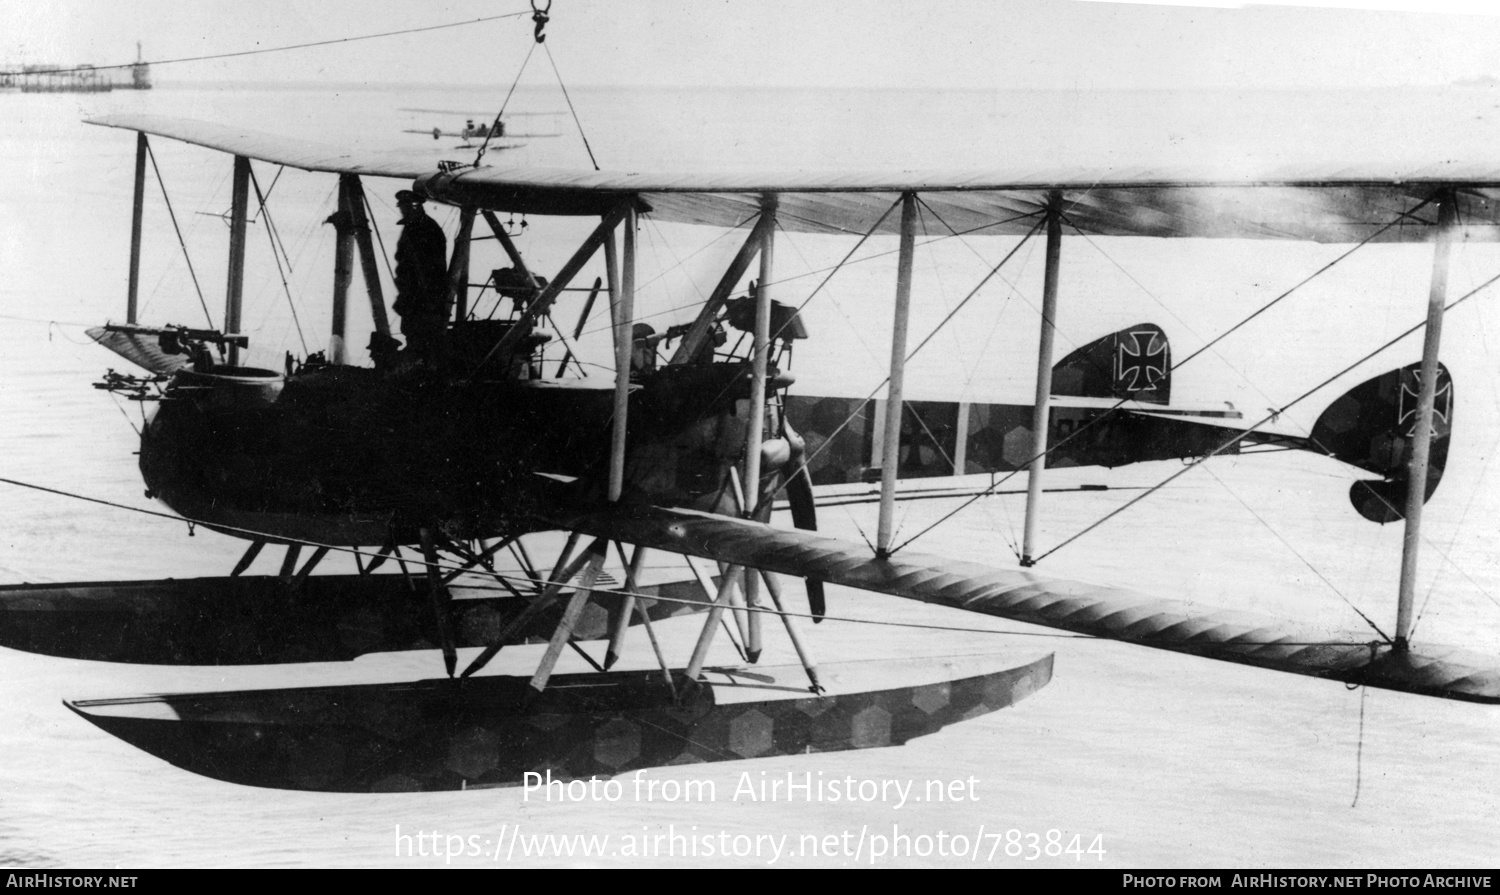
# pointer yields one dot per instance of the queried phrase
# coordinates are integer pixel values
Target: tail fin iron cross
(1142, 363)
(1442, 408)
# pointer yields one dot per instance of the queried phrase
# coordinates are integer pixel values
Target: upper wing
(1109, 612)
(305, 154)
(1109, 202)
(1322, 200)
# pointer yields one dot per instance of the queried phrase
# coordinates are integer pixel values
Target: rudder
(1371, 427)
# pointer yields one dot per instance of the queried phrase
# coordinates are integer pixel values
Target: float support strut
(561, 575)
(621, 619)
(251, 553)
(563, 634)
(774, 588)
(715, 616)
(438, 594)
(289, 562)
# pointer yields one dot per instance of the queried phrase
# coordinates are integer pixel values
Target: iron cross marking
(1140, 369)
(1442, 403)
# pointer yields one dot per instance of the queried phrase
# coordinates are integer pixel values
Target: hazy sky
(816, 43)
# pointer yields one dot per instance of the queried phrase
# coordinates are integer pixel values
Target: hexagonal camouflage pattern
(488, 731)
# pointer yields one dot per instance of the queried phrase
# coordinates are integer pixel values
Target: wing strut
(1421, 442)
(367, 265)
(510, 250)
(571, 352)
(458, 266)
(343, 274)
(891, 444)
(1039, 412)
(622, 304)
(693, 343)
(760, 359)
(543, 301)
(234, 291)
(133, 291)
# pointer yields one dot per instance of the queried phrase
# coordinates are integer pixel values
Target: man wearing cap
(421, 278)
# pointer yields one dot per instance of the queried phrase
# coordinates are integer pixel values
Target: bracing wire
(1198, 461)
(832, 269)
(180, 241)
(1295, 552)
(583, 136)
(370, 216)
(773, 336)
(280, 272)
(527, 581)
(522, 579)
(913, 353)
(1400, 218)
(301, 46)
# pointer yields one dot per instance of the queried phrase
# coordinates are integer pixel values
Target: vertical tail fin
(1134, 363)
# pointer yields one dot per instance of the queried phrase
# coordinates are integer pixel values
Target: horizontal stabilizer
(1109, 612)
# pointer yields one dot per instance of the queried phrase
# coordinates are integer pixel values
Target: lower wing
(1098, 611)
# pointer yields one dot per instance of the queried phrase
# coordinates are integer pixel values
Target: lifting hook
(539, 16)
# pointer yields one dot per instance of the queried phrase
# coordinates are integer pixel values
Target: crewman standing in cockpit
(421, 278)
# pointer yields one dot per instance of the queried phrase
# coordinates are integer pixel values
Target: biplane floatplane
(498, 129)
(684, 453)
